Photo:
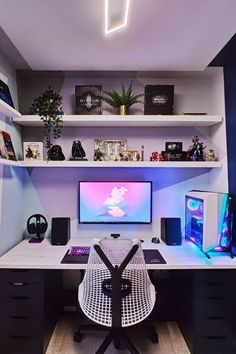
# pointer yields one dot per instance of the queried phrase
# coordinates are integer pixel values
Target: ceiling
(161, 34)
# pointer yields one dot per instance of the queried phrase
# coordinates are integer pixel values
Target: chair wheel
(77, 337)
(154, 337)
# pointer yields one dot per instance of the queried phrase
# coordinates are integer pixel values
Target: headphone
(37, 227)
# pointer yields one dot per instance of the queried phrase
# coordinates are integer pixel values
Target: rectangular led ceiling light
(111, 27)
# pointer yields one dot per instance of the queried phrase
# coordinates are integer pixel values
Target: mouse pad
(150, 256)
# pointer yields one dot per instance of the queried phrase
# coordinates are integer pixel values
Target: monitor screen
(115, 202)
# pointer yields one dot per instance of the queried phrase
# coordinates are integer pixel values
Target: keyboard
(79, 250)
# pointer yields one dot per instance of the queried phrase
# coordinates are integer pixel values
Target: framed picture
(130, 155)
(174, 147)
(88, 99)
(6, 147)
(33, 151)
(110, 149)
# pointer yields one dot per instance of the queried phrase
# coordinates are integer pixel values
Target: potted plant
(49, 107)
(124, 100)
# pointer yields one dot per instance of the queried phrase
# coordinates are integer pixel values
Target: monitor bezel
(116, 222)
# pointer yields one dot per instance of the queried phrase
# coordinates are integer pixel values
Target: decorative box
(5, 94)
(6, 147)
(174, 156)
(88, 99)
(159, 99)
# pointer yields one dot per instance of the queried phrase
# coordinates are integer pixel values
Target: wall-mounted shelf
(119, 164)
(7, 110)
(6, 162)
(126, 121)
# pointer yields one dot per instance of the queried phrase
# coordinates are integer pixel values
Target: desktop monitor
(115, 202)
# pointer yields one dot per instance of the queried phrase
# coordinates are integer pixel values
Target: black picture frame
(174, 146)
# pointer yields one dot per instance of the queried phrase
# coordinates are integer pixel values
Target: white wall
(11, 180)
(56, 190)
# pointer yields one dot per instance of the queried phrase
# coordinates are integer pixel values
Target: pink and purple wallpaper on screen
(115, 202)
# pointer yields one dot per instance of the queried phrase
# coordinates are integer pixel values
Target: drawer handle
(20, 337)
(216, 337)
(216, 317)
(19, 297)
(215, 297)
(19, 317)
(19, 284)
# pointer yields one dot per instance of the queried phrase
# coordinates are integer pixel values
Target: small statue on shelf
(161, 157)
(210, 156)
(77, 151)
(195, 151)
(98, 155)
(154, 156)
(55, 153)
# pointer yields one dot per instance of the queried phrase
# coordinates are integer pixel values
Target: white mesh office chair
(116, 291)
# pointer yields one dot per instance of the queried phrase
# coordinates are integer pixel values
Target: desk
(46, 256)
(204, 292)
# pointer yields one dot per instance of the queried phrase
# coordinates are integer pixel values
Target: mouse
(155, 240)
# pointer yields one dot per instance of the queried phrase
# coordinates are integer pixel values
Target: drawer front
(215, 345)
(214, 288)
(214, 326)
(21, 275)
(23, 326)
(214, 306)
(16, 289)
(21, 345)
(21, 305)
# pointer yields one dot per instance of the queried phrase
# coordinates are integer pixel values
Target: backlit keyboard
(79, 250)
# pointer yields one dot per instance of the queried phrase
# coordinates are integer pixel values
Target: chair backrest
(135, 306)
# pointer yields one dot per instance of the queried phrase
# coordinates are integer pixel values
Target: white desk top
(46, 256)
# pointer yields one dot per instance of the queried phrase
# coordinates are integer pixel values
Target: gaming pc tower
(208, 220)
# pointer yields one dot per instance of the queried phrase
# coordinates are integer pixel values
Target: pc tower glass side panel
(225, 223)
(194, 220)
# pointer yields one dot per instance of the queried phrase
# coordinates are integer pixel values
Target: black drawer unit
(206, 301)
(29, 309)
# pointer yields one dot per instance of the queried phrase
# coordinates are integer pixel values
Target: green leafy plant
(49, 107)
(126, 98)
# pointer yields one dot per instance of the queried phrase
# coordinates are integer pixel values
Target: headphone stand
(36, 240)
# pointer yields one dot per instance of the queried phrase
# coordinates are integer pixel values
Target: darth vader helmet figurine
(55, 153)
(77, 151)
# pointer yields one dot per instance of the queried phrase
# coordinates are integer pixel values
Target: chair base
(117, 336)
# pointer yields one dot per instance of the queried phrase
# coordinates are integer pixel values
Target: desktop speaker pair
(60, 231)
(171, 231)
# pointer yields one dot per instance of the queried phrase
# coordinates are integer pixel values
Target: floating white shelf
(9, 162)
(119, 164)
(7, 110)
(126, 121)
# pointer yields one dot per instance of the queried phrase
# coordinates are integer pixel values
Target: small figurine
(154, 156)
(55, 153)
(210, 156)
(161, 157)
(77, 151)
(142, 153)
(98, 155)
(195, 152)
(138, 157)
